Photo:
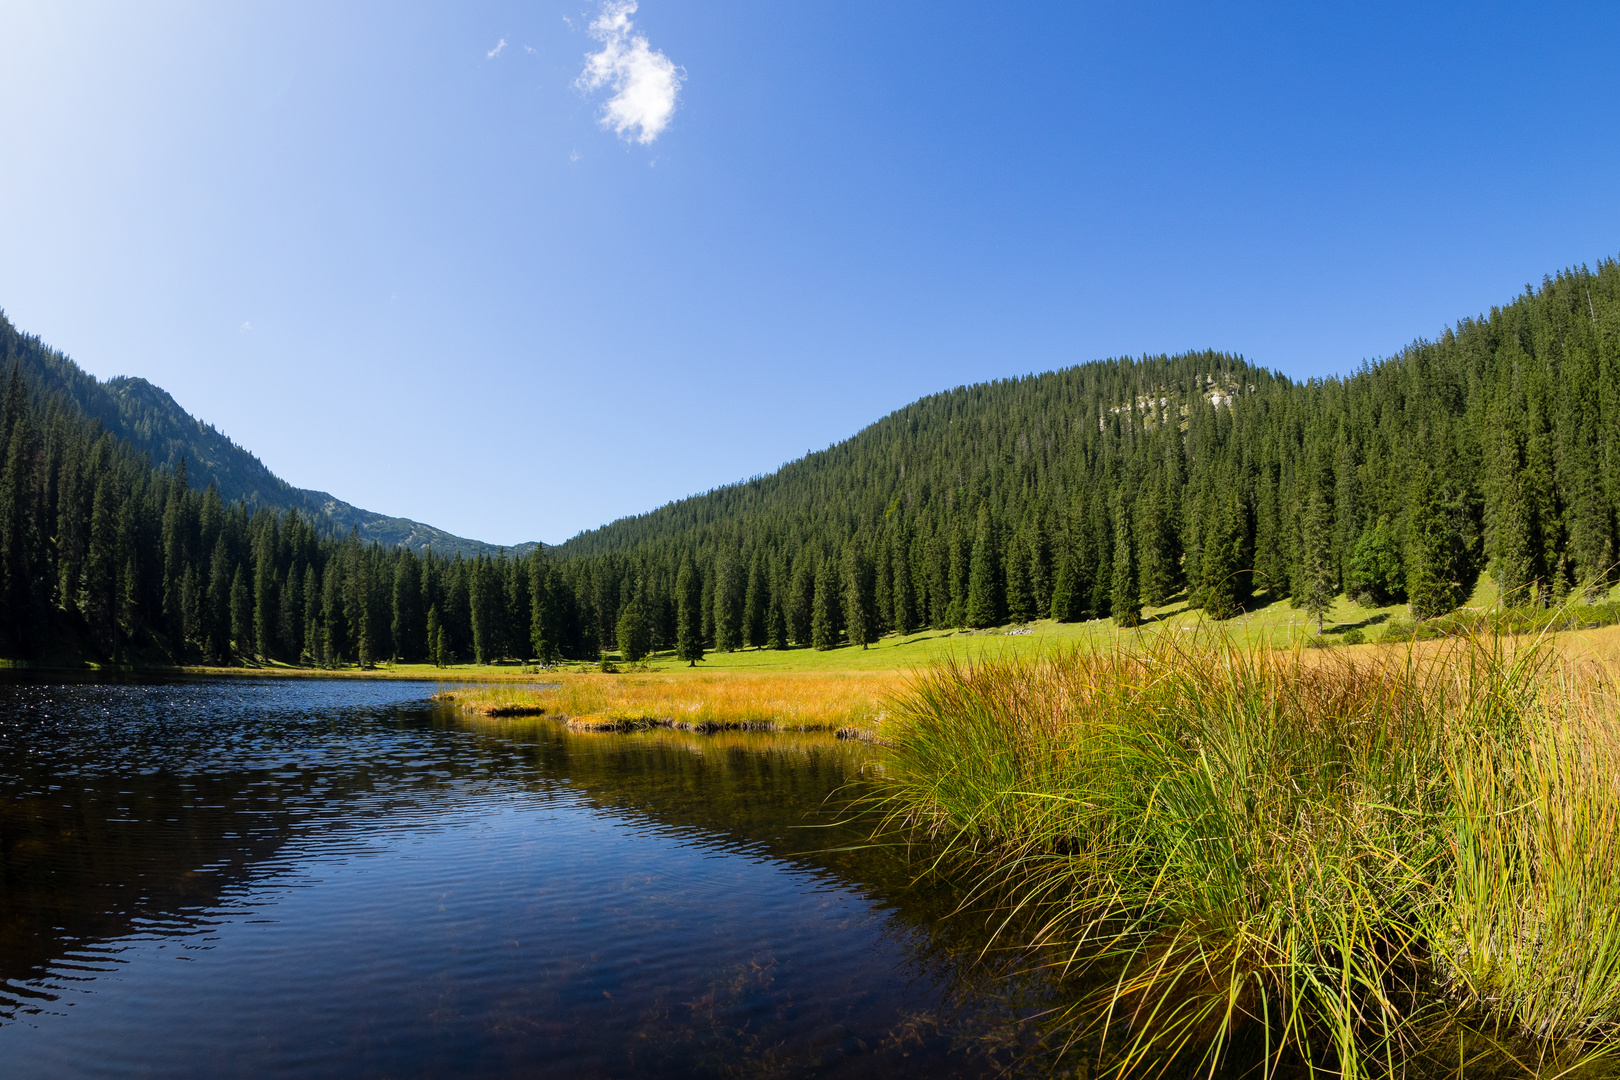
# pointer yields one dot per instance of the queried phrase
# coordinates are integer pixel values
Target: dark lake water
(265, 878)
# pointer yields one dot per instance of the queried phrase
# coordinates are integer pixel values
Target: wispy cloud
(496, 51)
(246, 327)
(645, 83)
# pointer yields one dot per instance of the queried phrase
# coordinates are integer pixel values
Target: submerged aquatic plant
(1297, 859)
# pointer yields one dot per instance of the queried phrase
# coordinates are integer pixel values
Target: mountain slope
(151, 421)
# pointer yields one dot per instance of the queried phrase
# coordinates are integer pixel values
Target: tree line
(1090, 492)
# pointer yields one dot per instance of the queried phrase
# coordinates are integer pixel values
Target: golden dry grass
(813, 701)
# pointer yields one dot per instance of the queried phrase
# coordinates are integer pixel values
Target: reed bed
(1315, 862)
(853, 702)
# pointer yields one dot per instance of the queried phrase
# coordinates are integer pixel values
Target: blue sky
(412, 267)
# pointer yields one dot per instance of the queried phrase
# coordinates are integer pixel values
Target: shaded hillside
(153, 423)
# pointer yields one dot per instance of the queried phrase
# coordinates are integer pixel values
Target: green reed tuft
(1337, 864)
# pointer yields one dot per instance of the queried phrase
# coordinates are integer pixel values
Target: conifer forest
(1082, 493)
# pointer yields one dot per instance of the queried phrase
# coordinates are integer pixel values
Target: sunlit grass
(802, 701)
(1343, 862)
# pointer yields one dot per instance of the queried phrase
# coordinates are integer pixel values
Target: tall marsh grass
(1302, 861)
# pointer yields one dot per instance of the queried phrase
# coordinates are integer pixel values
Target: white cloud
(645, 83)
(496, 51)
(247, 326)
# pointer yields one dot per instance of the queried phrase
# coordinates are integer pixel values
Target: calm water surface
(266, 878)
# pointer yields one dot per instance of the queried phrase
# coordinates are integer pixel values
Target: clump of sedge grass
(1321, 859)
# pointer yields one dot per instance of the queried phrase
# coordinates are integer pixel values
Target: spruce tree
(100, 600)
(860, 600)
(961, 559)
(633, 633)
(312, 615)
(242, 615)
(727, 603)
(904, 597)
(755, 602)
(776, 624)
(1065, 595)
(434, 656)
(984, 596)
(1126, 598)
(801, 603)
(688, 614)
(1041, 570)
(1430, 589)
(1218, 574)
(1317, 578)
(1020, 597)
(545, 610)
(881, 563)
(826, 619)
(1099, 563)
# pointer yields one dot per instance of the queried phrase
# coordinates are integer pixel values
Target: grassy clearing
(704, 700)
(1352, 862)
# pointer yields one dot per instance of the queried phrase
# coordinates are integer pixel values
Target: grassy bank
(1352, 861)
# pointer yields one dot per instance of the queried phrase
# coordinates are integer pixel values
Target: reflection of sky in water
(260, 879)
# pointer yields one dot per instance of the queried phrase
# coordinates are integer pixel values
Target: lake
(290, 877)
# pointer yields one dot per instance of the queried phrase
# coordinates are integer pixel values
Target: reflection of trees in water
(111, 828)
(113, 832)
(801, 799)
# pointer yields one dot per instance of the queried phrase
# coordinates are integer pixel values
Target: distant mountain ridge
(150, 420)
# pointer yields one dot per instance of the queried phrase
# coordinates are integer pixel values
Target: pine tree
(689, 614)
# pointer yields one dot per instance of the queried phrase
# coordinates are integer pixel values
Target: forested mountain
(151, 421)
(1087, 492)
